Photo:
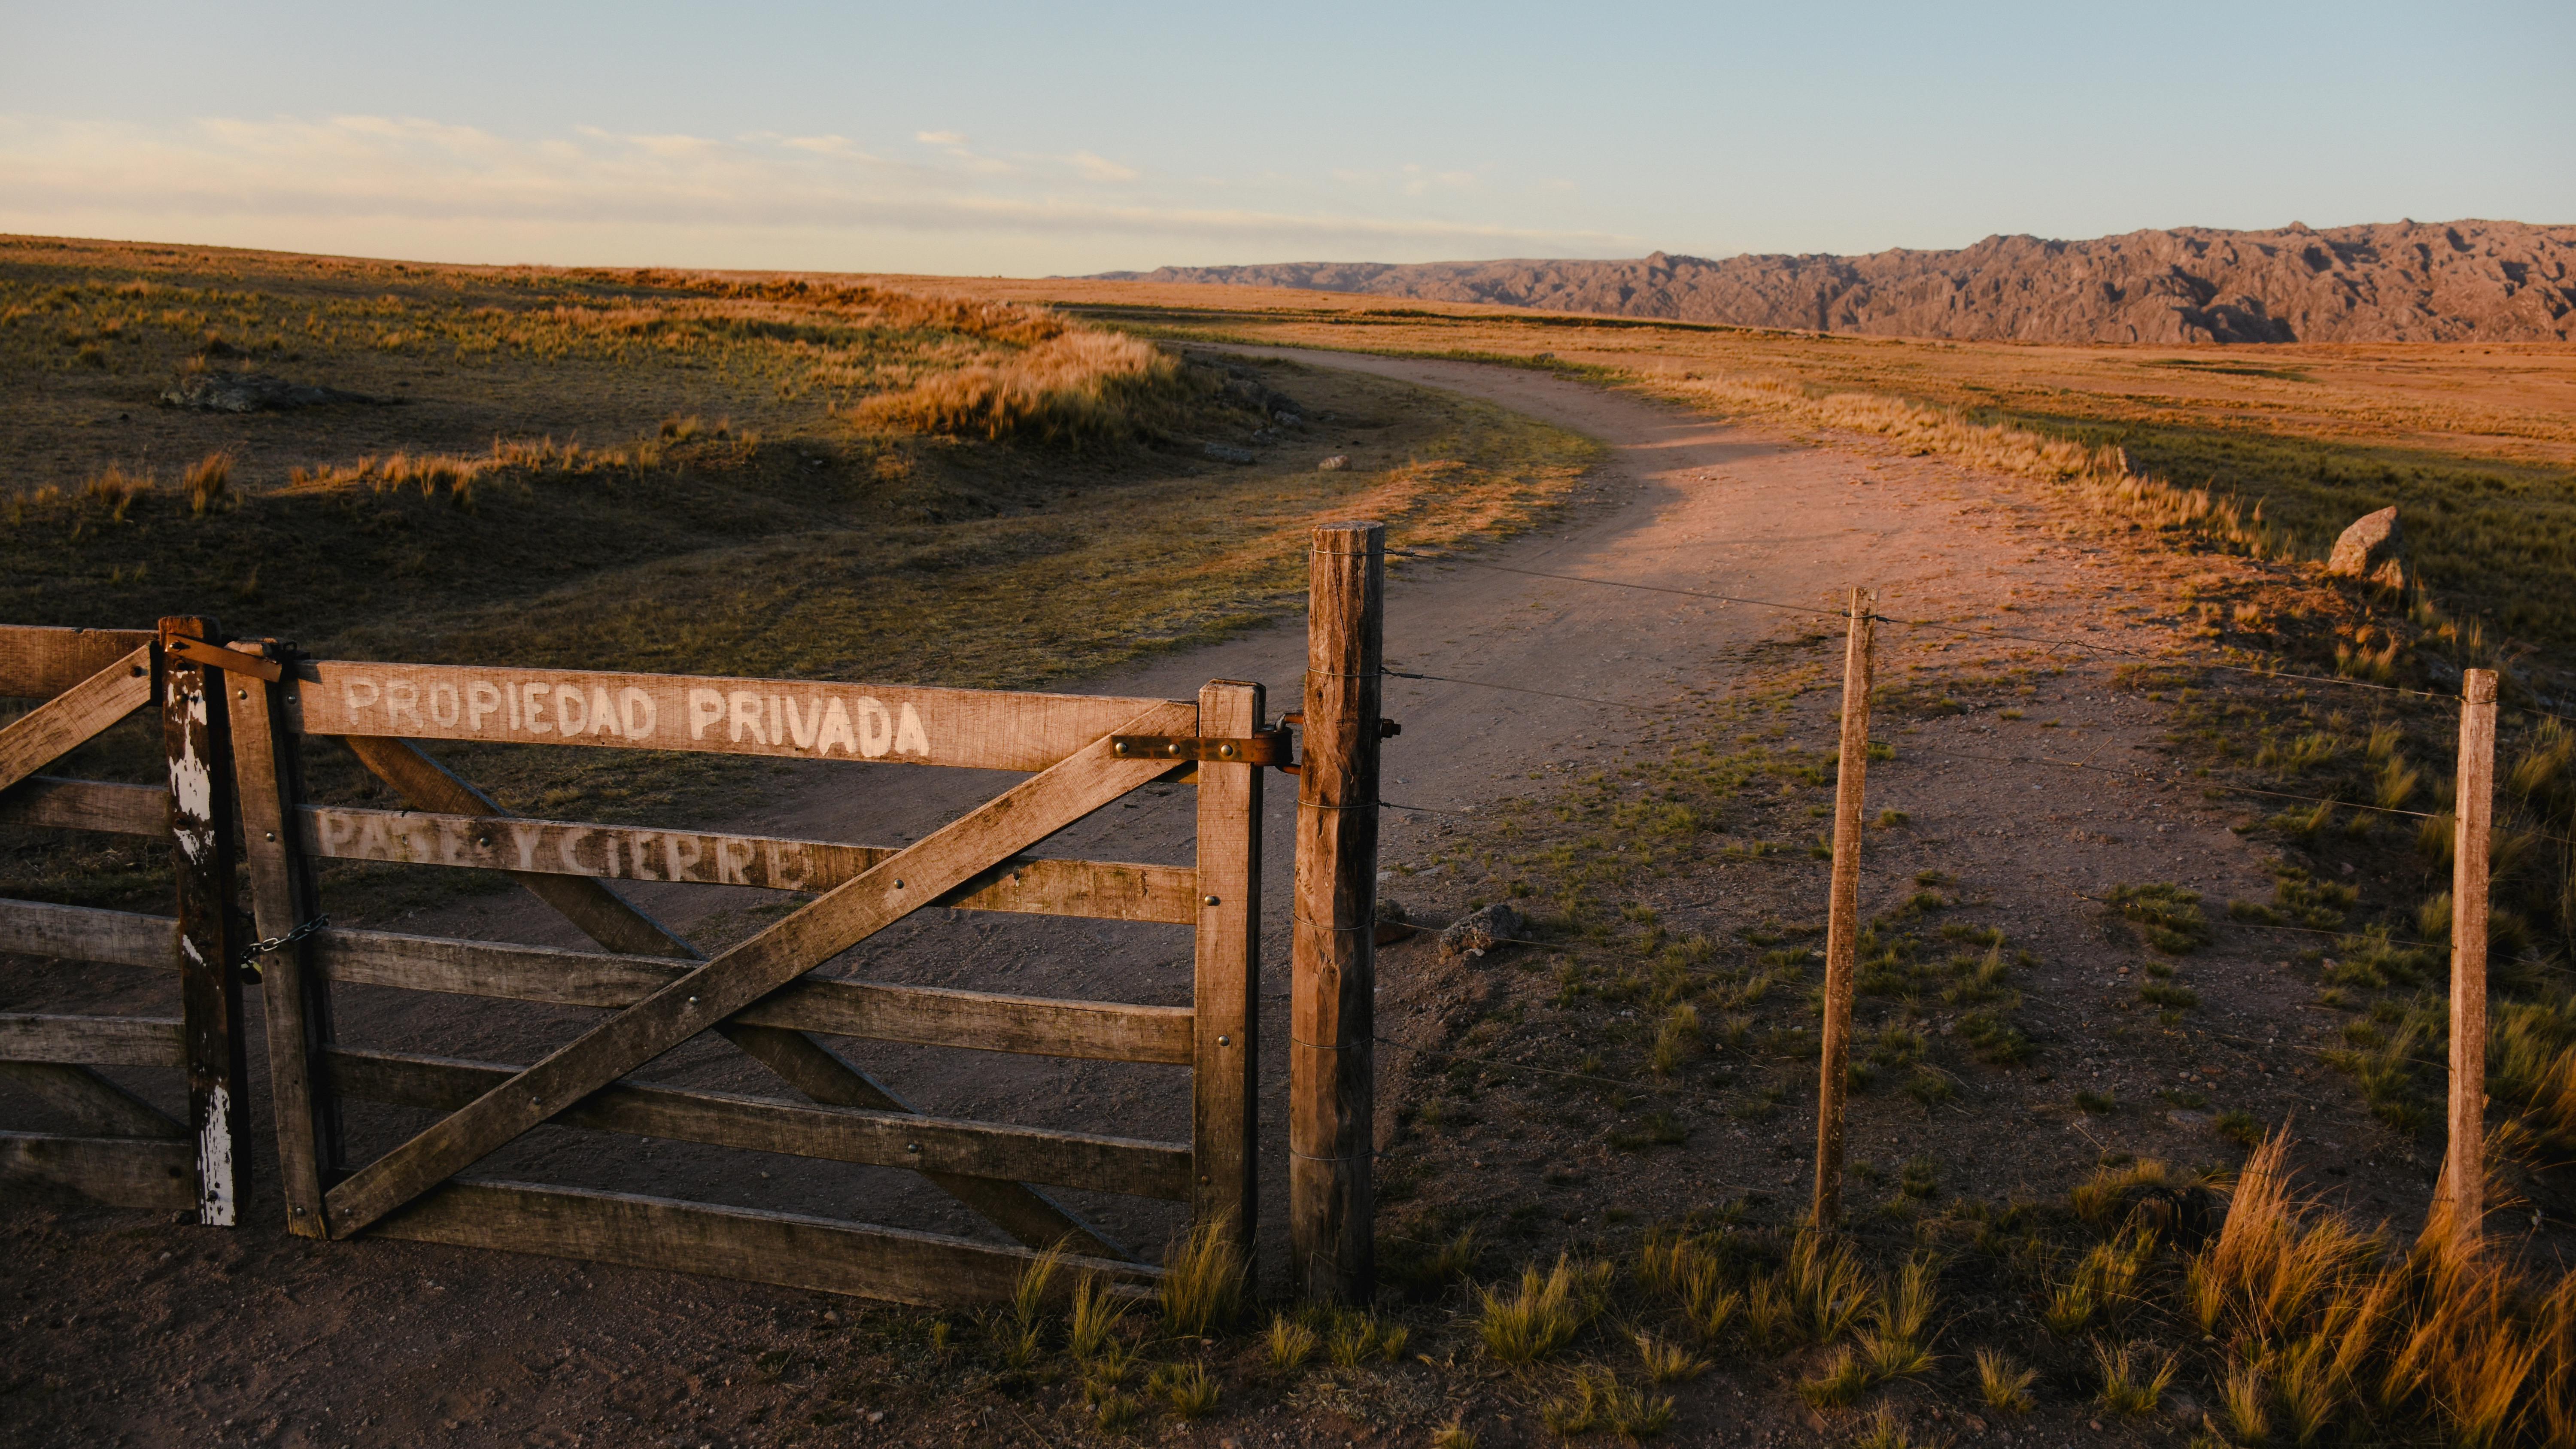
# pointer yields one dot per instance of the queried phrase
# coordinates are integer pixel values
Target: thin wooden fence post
(197, 742)
(1332, 1017)
(1842, 927)
(2464, 1161)
(1226, 996)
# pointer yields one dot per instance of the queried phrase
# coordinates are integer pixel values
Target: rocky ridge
(2407, 281)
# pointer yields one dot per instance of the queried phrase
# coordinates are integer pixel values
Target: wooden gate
(123, 1150)
(1080, 753)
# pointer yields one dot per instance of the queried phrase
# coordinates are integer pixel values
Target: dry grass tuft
(2004, 1384)
(209, 484)
(1540, 1318)
(1078, 387)
(1288, 1344)
(2344, 1328)
(1202, 1287)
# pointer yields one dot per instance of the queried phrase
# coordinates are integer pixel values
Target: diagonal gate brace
(896, 887)
(1027, 1213)
(68, 720)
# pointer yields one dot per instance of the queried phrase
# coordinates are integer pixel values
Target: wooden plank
(86, 933)
(86, 805)
(294, 993)
(787, 1249)
(912, 878)
(1126, 1165)
(805, 719)
(1100, 890)
(197, 743)
(1842, 923)
(1332, 1032)
(919, 1015)
(133, 1172)
(1226, 973)
(96, 1106)
(92, 1041)
(803, 1062)
(37, 662)
(70, 719)
(2462, 1192)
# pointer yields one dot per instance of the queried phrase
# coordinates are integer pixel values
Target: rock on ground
(1480, 931)
(2372, 548)
(251, 392)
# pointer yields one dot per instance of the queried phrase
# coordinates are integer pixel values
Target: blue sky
(1028, 140)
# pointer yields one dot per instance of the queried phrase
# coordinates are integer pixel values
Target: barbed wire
(1523, 689)
(1978, 632)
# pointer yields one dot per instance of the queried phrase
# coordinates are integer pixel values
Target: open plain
(2149, 876)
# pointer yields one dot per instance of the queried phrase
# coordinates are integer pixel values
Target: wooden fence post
(2464, 1161)
(197, 742)
(1224, 1108)
(1332, 1016)
(1842, 928)
(295, 998)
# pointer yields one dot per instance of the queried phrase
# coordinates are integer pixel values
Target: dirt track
(258, 1338)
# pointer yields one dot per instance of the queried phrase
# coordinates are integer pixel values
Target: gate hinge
(231, 661)
(1264, 747)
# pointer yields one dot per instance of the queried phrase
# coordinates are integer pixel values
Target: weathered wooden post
(284, 901)
(1224, 1111)
(2464, 1161)
(198, 748)
(1842, 927)
(1332, 1017)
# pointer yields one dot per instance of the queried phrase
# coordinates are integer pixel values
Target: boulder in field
(2373, 548)
(1481, 931)
(251, 392)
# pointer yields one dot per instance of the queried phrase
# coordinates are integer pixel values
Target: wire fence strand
(1971, 631)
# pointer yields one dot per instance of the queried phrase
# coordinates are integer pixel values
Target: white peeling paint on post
(215, 1161)
(198, 767)
(192, 784)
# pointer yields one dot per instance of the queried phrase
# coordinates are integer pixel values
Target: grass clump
(1080, 386)
(1288, 1344)
(2351, 1332)
(1542, 1316)
(2167, 916)
(1595, 1400)
(2004, 1384)
(1202, 1286)
(1836, 1381)
(2127, 1386)
(1668, 1363)
(1187, 1388)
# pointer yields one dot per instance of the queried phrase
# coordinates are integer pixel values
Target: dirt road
(259, 1338)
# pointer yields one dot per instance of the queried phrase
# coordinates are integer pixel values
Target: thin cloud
(1101, 168)
(431, 173)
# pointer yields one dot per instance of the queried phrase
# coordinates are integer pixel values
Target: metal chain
(251, 953)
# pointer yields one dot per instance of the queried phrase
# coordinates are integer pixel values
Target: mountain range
(2406, 281)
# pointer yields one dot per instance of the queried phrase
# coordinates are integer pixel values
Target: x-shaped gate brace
(175, 668)
(1027, 1213)
(711, 995)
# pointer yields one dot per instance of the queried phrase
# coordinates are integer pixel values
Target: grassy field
(2475, 444)
(684, 474)
(872, 478)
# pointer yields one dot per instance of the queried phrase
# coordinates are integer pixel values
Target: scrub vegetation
(666, 472)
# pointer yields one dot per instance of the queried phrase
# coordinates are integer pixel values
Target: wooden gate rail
(915, 1015)
(761, 1124)
(1031, 885)
(125, 1151)
(757, 994)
